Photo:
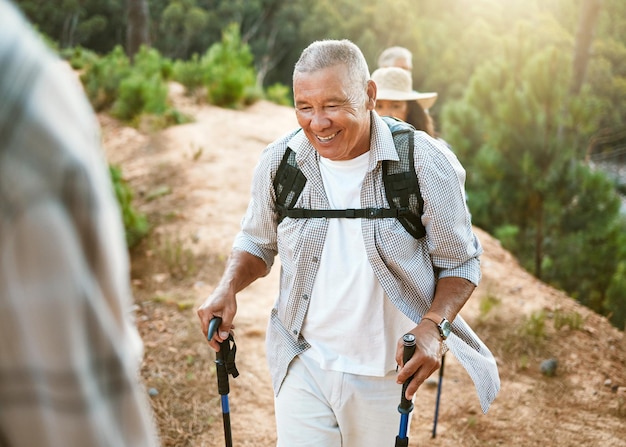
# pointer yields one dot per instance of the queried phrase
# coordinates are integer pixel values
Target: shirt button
(315, 259)
(295, 332)
(305, 297)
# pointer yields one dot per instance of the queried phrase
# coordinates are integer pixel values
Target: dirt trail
(193, 182)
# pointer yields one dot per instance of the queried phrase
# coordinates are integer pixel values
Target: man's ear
(371, 95)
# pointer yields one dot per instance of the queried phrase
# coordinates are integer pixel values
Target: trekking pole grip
(214, 324)
(406, 406)
(221, 356)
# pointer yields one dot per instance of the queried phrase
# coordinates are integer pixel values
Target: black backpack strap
(288, 184)
(349, 213)
(400, 179)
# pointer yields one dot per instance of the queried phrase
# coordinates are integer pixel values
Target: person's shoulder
(286, 139)
(428, 142)
(434, 149)
(274, 151)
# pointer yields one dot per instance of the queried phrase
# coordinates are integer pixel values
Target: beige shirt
(69, 350)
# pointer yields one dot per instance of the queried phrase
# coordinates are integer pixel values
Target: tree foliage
(521, 134)
(532, 95)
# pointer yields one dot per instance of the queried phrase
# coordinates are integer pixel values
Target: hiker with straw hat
(396, 97)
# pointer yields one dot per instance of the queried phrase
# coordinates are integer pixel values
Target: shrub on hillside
(102, 78)
(131, 91)
(228, 71)
(280, 94)
(140, 94)
(79, 57)
(144, 90)
(189, 73)
(135, 223)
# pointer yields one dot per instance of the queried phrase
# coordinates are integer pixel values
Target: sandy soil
(193, 180)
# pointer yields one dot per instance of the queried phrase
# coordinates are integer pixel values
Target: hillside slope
(193, 183)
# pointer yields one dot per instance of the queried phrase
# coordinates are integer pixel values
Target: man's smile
(326, 139)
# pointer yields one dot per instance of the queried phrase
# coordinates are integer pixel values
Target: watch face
(446, 328)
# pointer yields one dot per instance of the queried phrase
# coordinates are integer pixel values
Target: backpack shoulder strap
(288, 183)
(400, 179)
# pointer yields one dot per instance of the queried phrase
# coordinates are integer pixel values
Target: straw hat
(395, 84)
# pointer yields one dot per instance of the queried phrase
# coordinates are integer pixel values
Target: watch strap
(442, 324)
(435, 318)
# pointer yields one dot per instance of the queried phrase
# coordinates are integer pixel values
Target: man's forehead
(327, 85)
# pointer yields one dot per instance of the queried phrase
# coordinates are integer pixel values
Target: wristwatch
(442, 323)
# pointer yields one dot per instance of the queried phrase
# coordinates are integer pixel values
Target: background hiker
(352, 287)
(395, 97)
(396, 57)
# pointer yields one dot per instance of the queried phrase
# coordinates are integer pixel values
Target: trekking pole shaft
(222, 377)
(406, 405)
(439, 384)
(226, 417)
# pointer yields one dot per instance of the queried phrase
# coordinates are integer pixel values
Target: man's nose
(320, 120)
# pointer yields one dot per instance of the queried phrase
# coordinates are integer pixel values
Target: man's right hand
(241, 270)
(221, 303)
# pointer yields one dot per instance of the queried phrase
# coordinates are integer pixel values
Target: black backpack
(399, 177)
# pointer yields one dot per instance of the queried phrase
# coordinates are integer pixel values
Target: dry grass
(522, 321)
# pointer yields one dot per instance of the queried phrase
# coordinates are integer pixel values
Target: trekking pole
(443, 358)
(406, 406)
(224, 365)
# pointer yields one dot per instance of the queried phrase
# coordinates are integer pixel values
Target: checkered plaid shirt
(407, 268)
(69, 350)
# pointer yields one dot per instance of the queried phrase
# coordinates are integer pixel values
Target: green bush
(79, 57)
(135, 223)
(280, 94)
(103, 78)
(140, 94)
(228, 71)
(573, 320)
(615, 301)
(144, 90)
(148, 61)
(130, 91)
(189, 73)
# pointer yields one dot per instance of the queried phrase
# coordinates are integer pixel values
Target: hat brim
(426, 99)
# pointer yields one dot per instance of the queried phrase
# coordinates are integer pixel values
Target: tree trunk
(539, 242)
(589, 11)
(69, 27)
(137, 28)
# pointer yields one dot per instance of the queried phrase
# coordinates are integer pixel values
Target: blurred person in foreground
(351, 288)
(69, 350)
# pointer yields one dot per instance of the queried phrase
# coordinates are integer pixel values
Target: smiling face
(333, 112)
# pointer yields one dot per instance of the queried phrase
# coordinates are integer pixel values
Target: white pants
(319, 408)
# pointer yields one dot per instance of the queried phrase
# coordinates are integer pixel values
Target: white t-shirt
(351, 324)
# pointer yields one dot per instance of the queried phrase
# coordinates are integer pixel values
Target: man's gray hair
(329, 53)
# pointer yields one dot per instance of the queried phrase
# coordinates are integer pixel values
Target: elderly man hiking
(361, 265)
